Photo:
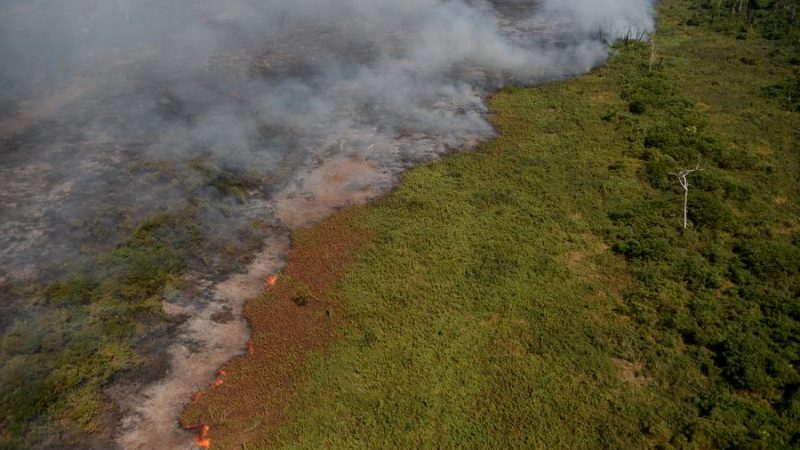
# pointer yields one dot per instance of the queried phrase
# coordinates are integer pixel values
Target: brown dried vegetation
(290, 321)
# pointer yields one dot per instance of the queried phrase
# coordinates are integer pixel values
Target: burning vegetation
(201, 439)
(150, 152)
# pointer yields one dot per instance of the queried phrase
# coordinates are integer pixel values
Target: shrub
(706, 146)
(706, 180)
(736, 159)
(707, 211)
(656, 173)
(682, 153)
(76, 289)
(698, 273)
(660, 137)
(768, 258)
(787, 94)
(645, 246)
(637, 107)
(737, 192)
(744, 362)
(302, 296)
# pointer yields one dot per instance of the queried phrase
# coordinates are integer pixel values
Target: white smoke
(615, 18)
(327, 99)
(257, 83)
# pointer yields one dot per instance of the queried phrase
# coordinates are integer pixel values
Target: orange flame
(221, 372)
(202, 440)
(271, 280)
(250, 348)
(218, 381)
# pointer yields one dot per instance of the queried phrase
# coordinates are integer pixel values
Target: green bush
(637, 107)
(744, 359)
(768, 257)
(698, 274)
(708, 211)
(660, 137)
(78, 288)
(707, 147)
(786, 94)
(737, 159)
(646, 246)
(737, 191)
(657, 173)
(302, 296)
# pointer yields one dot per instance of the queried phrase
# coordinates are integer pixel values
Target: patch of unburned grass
(541, 292)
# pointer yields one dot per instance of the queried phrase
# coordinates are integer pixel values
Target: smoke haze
(267, 85)
(322, 103)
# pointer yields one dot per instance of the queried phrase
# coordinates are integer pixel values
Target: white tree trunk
(684, 181)
(685, 206)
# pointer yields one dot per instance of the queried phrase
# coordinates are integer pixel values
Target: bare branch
(682, 176)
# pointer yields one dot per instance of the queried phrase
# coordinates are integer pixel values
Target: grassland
(541, 291)
(538, 292)
(79, 333)
(75, 335)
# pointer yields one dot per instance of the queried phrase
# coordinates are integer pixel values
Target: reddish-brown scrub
(257, 393)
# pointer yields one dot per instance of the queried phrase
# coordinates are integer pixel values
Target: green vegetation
(77, 333)
(226, 182)
(541, 291)
(57, 358)
(538, 292)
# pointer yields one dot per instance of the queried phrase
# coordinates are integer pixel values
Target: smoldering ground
(111, 111)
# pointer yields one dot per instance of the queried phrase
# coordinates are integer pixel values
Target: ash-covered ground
(272, 111)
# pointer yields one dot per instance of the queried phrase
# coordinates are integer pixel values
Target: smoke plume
(91, 86)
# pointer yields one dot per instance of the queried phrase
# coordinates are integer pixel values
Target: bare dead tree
(653, 55)
(683, 179)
